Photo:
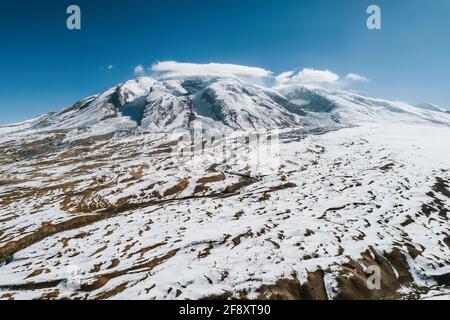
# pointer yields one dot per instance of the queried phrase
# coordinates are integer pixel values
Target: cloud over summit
(306, 76)
(170, 69)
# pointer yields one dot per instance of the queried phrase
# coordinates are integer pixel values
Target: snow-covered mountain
(114, 197)
(157, 106)
(164, 105)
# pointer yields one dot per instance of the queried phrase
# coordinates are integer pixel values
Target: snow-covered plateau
(191, 188)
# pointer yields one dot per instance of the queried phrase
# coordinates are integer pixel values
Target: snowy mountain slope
(221, 103)
(98, 113)
(134, 218)
(156, 106)
(245, 107)
(167, 107)
(429, 106)
(354, 108)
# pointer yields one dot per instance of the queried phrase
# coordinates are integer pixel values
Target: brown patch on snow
(352, 280)
(291, 289)
(237, 240)
(242, 183)
(238, 215)
(38, 272)
(179, 187)
(350, 277)
(211, 179)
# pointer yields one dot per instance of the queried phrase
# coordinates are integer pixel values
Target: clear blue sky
(44, 67)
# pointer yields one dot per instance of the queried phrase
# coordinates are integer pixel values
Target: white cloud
(309, 75)
(306, 76)
(357, 77)
(139, 70)
(170, 69)
(285, 77)
(321, 78)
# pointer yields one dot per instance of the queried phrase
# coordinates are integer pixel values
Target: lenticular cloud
(173, 69)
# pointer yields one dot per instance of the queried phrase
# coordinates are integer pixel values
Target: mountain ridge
(223, 103)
